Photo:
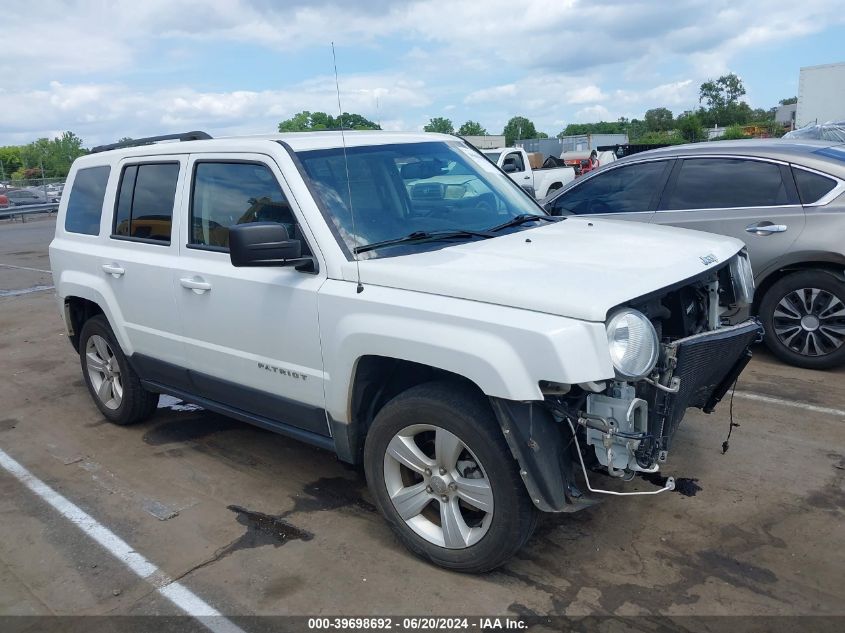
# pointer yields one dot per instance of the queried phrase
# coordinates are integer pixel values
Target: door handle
(115, 270)
(196, 284)
(766, 228)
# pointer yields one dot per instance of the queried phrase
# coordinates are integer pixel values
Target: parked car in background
(784, 199)
(4, 200)
(538, 182)
(23, 197)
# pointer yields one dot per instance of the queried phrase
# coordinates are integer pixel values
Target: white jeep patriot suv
(397, 299)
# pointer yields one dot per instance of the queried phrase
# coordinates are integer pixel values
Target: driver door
(251, 335)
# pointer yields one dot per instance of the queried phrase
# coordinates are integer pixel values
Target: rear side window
(85, 205)
(724, 183)
(145, 201)
(225, 194)
(811, 186)
(621, 190)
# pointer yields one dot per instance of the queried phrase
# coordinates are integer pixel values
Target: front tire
(112, 383)
(443, 477)
(804, 317)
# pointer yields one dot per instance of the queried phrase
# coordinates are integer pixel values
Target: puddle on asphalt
(264, 529)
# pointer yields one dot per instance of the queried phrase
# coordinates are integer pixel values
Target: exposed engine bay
(625, 426)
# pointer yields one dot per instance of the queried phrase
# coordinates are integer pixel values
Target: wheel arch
(831, 263)
(375, 381)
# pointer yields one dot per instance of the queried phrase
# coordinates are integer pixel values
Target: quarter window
(227, 194)
(85, 206)
(811, 186)
(724, 183)
(145, 201)
(625, 189)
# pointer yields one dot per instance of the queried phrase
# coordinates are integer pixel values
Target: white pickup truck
(539, 182)
(396, 299)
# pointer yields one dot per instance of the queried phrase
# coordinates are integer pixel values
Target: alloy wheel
(438, 486)
(810, 321)
(103, 371)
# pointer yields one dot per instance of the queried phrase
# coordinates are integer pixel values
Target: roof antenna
(360, 287)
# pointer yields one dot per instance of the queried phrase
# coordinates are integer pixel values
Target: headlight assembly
(743, 279)
(633, 344)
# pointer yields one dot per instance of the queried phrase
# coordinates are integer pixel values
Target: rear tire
(111, 381)
(803, 314)
(472, 487)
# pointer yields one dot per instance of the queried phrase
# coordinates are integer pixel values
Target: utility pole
(43, 181)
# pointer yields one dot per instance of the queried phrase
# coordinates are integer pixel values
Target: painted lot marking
(182, 597)
(747, 395)
(36, 270)
(24, 291)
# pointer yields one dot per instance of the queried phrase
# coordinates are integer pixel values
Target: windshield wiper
(522, 218)
(423, 236)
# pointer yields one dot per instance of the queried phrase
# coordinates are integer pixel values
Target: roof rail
(182, 136)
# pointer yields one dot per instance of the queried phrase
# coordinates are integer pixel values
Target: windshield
(401, 189)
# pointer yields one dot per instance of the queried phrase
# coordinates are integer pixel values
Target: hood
(575, 268)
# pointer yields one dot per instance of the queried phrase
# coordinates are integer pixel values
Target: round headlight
(633, 344)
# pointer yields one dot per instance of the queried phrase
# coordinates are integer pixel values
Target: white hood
(576, 268)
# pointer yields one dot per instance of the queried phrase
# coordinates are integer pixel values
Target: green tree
(659, 138)
(659, 120)
(299, 122)
(472, 128)
(440, 124)
(55, 155)
(722, 97)
(518, 128)
(10, 161)
(306, 121)
(602, 127)
(734, 132)
(788, 101)
(690, 128)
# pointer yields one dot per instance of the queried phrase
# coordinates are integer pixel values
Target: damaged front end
(676, 353)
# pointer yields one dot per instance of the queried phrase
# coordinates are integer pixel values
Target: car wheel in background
(803, 314)
(113, 384)
(442, 475)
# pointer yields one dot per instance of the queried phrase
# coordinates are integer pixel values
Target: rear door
(751, 199)
(137, 258)
(626, 192)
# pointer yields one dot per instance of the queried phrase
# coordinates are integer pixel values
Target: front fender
(504, 351)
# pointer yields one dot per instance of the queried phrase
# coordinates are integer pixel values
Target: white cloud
(71, 64)
(103, 112)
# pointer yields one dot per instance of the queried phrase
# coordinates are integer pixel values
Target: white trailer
(821, 94)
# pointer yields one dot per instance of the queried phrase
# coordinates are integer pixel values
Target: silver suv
(784, 199)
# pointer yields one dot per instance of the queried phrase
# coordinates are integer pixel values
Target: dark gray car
(784, 199)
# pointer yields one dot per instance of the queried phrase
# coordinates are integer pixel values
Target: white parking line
(37, 270)
(24, 291)
(747, 395)
(182, 597)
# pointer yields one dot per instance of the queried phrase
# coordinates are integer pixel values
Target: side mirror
(509, 168)
(263, 244)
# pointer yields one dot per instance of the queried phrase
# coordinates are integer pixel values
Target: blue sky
(130, 68)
